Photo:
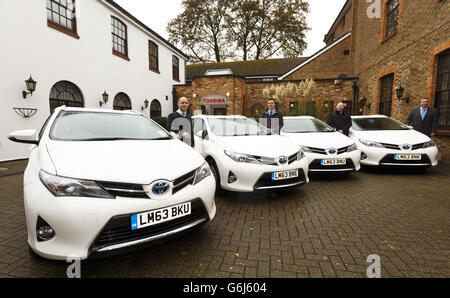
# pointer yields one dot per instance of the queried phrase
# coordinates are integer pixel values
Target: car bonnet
(129, 161)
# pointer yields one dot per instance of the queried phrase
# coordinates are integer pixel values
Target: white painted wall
(29, 46)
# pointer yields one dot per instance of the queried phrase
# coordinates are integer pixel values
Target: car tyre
(215, 173)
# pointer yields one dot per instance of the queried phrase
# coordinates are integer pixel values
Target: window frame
(114, 51)
(438, 90)
(385, 35)
(57, 26)
(175, 68)
(155, 56)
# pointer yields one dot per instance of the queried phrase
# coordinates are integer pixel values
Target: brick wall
(330, 64)
(409, 54)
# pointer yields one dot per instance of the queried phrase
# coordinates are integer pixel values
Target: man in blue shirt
(273, 118)
(424, 119)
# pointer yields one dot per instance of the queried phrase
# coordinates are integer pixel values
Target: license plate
(408, 157)
(146, 219)
(284, 175)
(333, 162)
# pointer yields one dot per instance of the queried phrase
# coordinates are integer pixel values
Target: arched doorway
(122, 102)
(65, 93)
(155, 109)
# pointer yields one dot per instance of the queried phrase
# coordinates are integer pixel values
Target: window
(65, 93)
(310, 108)
(442, 101)
(176, 68)
(293, 108)
(329, 106)
(155, 109)
(386, 87)
(122, 102)
(392, 17)
(153, 56)
(119, 37)
(257, 110)
(61, 15)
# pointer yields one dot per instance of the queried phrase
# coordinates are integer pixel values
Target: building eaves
(137, 21)
(249, 68)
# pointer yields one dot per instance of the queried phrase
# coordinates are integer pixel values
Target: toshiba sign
(214, 100)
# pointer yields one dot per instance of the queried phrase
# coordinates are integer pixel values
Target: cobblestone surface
(326, 228)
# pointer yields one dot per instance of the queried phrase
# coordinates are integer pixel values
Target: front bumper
(86, 226)
(352, 162)
(251, 177)
(385, 157)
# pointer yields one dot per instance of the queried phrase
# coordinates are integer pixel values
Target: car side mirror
(204, 134)
(24, 136)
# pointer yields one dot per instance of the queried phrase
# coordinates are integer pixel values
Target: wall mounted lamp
(145, 106)
(399, 92)
(31, 87)
(105, 98)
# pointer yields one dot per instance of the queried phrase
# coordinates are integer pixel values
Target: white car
(99, 182)
(384, 141)
(244, 156)
(326, 149)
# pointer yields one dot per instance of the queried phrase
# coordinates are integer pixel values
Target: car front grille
(418, 146)
(272, 161)
(316, 165)
(127, 190)
(265, 181)
(324, 152)
(118, 229)
(130, 190)
(390, 160)
(183, 181)
(391, 146)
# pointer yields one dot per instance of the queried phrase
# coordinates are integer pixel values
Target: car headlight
(69, 187)
(352, 148)
(241, 157)
(371, 144)
(201, 173)
(429, 144)
(300, 155)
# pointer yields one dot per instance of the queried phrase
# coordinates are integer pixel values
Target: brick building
(372, 49)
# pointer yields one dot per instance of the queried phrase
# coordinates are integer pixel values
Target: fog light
(363, 156)
(231, 177)
(45, 233)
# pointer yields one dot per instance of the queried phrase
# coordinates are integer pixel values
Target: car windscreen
(95, 126)
(227, 127)
(377, 124)
(305, 125)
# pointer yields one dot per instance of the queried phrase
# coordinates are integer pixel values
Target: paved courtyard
(326, 228)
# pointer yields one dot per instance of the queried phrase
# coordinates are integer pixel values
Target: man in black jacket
(180, 122)
(273, 118)
(340, 120)
(424, 119)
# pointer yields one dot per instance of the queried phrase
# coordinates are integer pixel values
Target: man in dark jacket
(180, 122)
(340, 120)
(424, 119)
(273, 118)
